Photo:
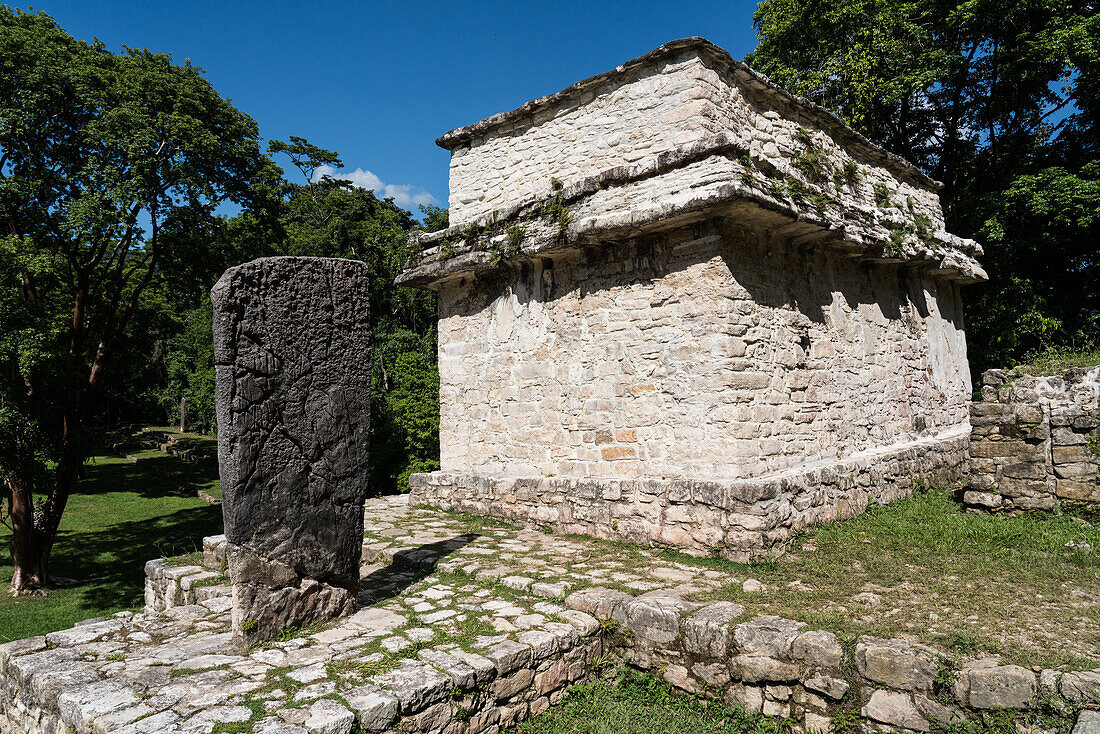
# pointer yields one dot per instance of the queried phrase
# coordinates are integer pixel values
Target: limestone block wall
(1035, 441)
(741, 519)
(686, 94)
(720, 352)
(777, 667)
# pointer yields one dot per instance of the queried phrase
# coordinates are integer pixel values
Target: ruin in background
(292, 343)
(679, 305)
(1036, 441)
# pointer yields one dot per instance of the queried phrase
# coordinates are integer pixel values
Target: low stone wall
(777, 667)
(738, 518)
(1035, 441)
(179, 671)
(168, 586)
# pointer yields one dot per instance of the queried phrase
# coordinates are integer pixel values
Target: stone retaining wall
(739, 518)
(1035, 441)
(778, 667)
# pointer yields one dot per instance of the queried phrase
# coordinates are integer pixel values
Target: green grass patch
(955, 578)
(1052, 360)
(639, 703)
(120, 515)
(179, 473)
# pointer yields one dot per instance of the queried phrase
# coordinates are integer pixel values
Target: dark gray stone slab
(292, 344)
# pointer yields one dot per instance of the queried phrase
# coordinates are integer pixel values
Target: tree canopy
(104, 160)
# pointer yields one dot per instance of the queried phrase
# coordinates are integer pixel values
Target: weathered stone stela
(292, 352)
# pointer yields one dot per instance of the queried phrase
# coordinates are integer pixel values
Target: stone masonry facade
(694, 358)
(1036, 440)
(676, 272)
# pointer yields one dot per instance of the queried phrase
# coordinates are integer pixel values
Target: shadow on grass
(109, 564)
(152, 476)
(409, 566)
(119, 517)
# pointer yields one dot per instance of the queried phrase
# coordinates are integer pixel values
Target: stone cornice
(863, 231)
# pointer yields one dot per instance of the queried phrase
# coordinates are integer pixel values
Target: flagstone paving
(463, 627)
(921, 601)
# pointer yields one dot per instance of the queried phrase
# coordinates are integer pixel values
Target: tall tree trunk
(33, 538)
(28, 565)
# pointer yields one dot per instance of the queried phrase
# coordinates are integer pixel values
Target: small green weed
(852, 173)
(963, 642)
(884, 196)
(813, 164)
(640, 702)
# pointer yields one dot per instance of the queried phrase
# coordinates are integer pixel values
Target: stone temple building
(679, 305)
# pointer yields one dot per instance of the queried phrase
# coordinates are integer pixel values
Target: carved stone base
(268, 597)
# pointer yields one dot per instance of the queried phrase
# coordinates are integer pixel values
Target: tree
(435, 217)
(106, 160)
(998, 100)
(329, 217)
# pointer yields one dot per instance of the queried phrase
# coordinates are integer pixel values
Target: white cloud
(405, 196)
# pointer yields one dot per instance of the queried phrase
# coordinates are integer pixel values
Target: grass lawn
(1058, 359)
(924, 568)
(176, 471)
(639, 703)
(200, 475)
(121, 515)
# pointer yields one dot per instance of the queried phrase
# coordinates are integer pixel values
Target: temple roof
(680, 135)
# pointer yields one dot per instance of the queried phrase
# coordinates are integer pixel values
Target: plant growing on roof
(883, 195)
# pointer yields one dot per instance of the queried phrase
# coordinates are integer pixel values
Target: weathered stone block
(656, 620)
(769, 636)
(597, 600)
(834, 688)
(416, 685)
(1081, 686)
(761, 669)
(292, 353)
(707, 632)
(1088, 722)
(896, 709)
(895, 664)
(1081, 490)
(986, 684)
(818, 648)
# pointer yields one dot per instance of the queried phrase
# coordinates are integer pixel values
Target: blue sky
(379, 81)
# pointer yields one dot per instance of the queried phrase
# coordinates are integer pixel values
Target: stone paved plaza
(467, 625)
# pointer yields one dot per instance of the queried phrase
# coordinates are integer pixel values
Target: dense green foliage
(999, 100)
(323, 217)
(113, 170)
(105, 160)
